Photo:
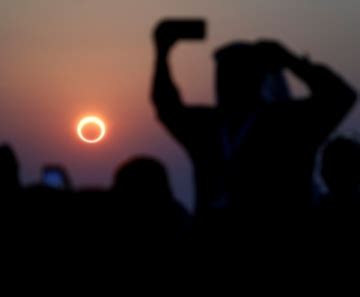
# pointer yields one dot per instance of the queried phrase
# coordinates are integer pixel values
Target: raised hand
(164, 38)
(168, 32)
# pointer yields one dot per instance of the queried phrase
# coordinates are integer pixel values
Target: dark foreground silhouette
(253, 156)
(249, 152)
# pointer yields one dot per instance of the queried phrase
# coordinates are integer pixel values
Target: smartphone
(182, 28)
(54, 177)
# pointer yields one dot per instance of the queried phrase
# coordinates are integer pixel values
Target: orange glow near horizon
(91, 120)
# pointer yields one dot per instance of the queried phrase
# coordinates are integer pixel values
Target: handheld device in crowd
(54, 177)
(182, 29)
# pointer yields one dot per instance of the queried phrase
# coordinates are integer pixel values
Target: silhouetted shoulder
(205, 113)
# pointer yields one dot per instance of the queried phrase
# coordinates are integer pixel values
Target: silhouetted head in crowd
(143, 180)
(240, 76)
(9, 169)
(341, 167)
(143, 189)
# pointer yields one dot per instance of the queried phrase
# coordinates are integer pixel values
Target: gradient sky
(63, 59)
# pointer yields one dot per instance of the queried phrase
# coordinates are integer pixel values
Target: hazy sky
(62, 59)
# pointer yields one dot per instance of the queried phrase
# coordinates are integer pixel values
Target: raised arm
(165, 95)
(323, 83)
(331, 98)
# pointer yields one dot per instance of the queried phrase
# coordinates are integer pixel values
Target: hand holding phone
(54, 177)
(168, 32)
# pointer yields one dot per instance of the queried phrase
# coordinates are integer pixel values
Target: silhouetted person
(341, 173)
(246, 150)
(275, 161)
(143, 188)
(9, 170)
(338, 220)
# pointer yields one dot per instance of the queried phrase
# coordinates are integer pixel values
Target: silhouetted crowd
(254, 157)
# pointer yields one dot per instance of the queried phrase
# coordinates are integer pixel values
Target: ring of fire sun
(91, 121)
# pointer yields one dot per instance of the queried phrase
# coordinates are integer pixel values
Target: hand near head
(169, 31)
(273, 54)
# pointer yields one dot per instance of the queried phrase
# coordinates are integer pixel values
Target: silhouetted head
(341, 166)
(240, 76)
(9, 171)
(144, 180)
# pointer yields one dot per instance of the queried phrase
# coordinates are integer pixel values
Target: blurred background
(62, 59)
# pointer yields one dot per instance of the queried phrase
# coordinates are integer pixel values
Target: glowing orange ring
(91, 120)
